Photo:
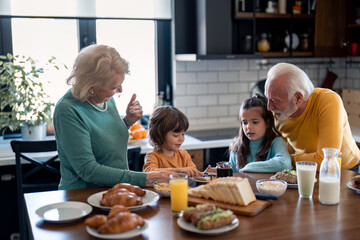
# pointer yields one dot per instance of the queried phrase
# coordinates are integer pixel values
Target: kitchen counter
(7, 156)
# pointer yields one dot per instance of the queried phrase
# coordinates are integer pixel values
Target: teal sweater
(277, 159)
(92, 145)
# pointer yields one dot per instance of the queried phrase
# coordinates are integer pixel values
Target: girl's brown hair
(241, 144)
(165, 119)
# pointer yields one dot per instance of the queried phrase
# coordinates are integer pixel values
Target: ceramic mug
(354, 48)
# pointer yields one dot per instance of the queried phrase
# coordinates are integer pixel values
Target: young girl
(259, 146)
(167, 127)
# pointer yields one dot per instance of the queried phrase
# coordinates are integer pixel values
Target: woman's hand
(133, 111)
(190, 171)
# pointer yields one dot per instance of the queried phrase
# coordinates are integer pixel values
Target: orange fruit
(139, 133)
(136, 125)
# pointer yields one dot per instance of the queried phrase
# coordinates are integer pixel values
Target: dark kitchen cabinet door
(330, 28)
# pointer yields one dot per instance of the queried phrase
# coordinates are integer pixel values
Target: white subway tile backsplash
(354, 73)
(254, 65)
(208, 121)
(197, 112)
(180, 66)
(205, 77)
(180, 90)
(238, 65)
(185, 77)
(228, 76)
(197, 66)
(218, 65)
(211, 92)
(228, 99)
(244, 96)
(196, 89)
(186, 101)
(248, 75)
(238, 87)
(207, 100)
(228, 120)
(218, 88)
(219, 111)
(234, 110)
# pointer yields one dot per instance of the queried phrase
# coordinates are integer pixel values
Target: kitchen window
(144, 41)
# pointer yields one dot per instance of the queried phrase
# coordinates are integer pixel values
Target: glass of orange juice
(178, 192)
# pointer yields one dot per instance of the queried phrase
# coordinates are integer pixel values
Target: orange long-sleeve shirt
(324, 123)
(157, 161)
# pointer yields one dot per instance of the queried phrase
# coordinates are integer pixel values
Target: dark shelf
(250, 15)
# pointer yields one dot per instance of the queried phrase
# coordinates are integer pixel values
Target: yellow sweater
(157, 161)
(324, 123)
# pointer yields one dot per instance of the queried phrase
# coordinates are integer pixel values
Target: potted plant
(23, 101)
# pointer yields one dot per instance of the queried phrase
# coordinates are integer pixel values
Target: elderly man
(310, 119)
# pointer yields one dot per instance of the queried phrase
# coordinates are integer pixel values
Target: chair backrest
(134, 160)
(32, 177)
(27, 172)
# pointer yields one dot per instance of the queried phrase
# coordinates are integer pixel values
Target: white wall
(210, 92)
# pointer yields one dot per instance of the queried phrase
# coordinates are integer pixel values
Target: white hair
(297, 80)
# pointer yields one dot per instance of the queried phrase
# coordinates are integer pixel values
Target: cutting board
(250, 210)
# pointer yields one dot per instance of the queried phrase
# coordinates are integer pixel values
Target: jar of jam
(263, 44)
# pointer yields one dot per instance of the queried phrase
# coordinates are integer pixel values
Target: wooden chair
(38, 175)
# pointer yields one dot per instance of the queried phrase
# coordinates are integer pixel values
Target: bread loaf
(233, 190)
(119, 220)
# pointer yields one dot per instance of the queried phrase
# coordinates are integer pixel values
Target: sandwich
(206, 216)
(200, 208)
(287, 175)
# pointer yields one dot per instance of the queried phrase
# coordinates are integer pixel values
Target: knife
(262, 196)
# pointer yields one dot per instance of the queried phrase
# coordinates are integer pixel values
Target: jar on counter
(304, 42)
(247, 44)
(263, 44)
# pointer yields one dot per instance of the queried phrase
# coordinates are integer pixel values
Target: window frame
(87, 36)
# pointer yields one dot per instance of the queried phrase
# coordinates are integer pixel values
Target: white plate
(63, 211)
(191, 228)
(200, 181)
(349, 185)
(290, 185)
(125, 235)
(149, 198)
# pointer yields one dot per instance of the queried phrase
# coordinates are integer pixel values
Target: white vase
(33, 132)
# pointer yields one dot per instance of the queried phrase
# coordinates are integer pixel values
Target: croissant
(120, 197)
(135, 189)
(121, 222)
(96, 221)
(116, 209)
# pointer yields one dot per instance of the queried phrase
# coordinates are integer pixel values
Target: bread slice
(232, 190)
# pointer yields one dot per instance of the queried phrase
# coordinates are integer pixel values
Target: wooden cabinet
(330, 28)
(221, 29)
(352, 24)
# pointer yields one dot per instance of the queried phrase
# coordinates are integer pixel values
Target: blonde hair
(94, 67)
(297, 80)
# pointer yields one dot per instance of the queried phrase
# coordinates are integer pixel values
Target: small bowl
(162, 188)
(272, 187)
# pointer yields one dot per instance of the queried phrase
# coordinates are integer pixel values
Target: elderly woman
(90, 134)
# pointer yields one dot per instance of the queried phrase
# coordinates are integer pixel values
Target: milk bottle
(329, 177)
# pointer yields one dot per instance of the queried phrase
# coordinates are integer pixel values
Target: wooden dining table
(289, 217)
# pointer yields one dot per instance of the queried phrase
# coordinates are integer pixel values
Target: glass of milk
(306, 172)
